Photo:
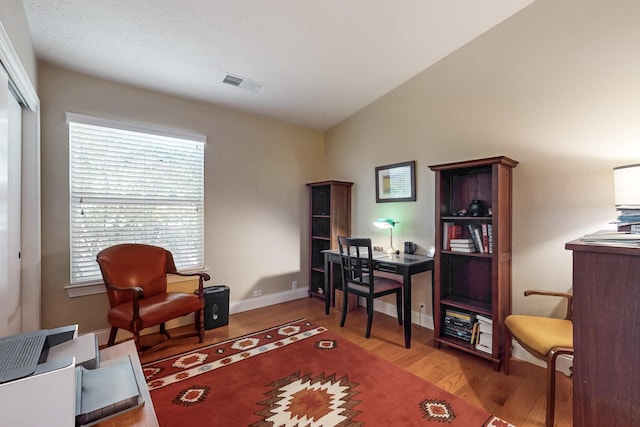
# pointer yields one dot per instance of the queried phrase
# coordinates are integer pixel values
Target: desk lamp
(387, 223)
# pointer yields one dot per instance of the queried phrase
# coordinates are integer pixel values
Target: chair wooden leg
(200, 324)
(369, 316)
(136, 339)
(507, 351)
(399, 306)
(551, 388)
(112, 336)
(163, 331)
(345, 300)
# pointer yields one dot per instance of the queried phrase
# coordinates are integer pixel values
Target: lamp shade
(626, 186)
(385, 223)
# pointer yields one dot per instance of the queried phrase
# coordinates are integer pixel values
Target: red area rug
(298, 374)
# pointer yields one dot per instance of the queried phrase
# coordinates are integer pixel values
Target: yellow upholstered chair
(544, 337)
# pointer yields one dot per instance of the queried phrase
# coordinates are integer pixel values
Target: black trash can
(216, 306)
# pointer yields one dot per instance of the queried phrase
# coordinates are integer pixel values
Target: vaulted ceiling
(311, 63)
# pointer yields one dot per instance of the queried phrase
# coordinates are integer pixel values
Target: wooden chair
(136, 279)
(545, 338)
(358, 278)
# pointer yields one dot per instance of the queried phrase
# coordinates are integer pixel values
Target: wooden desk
(606, 337)
(402, 264)
(144, 416)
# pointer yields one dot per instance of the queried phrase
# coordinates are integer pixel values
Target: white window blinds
(133, 185)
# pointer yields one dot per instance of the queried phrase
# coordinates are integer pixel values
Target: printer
(54, 377)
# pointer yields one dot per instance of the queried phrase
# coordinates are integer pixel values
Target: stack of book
(459, 324)
(482, 335)
(629, 219)
(462, 245)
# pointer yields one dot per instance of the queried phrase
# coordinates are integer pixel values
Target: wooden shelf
(474, 282)
(467, 304)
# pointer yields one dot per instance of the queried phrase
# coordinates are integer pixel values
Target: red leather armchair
(136, 279)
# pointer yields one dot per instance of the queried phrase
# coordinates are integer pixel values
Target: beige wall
(255, 198)
(555, 87)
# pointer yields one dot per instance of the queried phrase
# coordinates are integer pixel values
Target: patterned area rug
(298, 374)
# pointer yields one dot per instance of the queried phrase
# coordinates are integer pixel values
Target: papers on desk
(615, 238)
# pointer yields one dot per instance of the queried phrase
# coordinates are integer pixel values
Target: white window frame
(87, 190)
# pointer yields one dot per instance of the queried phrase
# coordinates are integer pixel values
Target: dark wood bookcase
(329, 217)
(478, 283)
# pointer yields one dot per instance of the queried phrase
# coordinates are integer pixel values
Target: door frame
(31, 252)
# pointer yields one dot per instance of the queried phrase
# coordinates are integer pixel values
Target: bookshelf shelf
(477, 282)
(467, 304)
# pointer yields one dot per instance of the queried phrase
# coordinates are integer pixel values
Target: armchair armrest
(202, 277)
(138, 292)
(569, 298)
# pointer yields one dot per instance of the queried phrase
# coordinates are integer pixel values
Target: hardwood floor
(518, 398)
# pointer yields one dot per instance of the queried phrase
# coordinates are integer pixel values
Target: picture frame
(396, 182)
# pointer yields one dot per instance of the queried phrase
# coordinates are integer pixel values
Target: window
(133, 184)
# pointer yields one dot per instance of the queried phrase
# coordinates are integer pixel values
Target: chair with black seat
(135, 276)
(544, 337)
(358, 278)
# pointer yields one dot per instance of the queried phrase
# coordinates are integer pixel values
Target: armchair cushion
(541, 333)
(154, 310)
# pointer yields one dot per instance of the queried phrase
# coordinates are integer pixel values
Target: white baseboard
(267, 300)
(389, 309)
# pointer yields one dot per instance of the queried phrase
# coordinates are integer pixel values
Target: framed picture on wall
(396, 183)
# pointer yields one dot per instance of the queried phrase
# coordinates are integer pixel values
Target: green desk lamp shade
(387, 223)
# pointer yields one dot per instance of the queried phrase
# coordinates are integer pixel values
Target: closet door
(10, 209)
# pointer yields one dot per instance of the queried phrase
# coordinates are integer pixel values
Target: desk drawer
(389, 268)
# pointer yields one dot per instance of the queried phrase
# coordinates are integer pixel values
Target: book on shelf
(455, 232)
(463, 249)
(456, 322)
(485, 324)
(474, 333)
(484, 342)
(483, 318)
(465, 336)
(475, 235)
(450, 231)
(460, 314)
(490, 231)
(462, 242)
(485, 237)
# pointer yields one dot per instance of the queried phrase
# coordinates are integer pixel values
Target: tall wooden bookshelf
(329, 217)
(478, 283)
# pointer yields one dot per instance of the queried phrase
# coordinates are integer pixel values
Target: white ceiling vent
(242, 82)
